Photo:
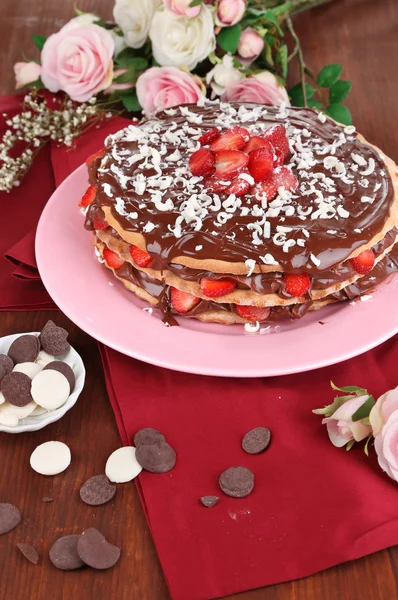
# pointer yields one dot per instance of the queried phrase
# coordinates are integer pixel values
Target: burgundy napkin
(313, 505)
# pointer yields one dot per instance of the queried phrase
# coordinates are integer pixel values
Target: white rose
(85, 19)
(134, 19)
(120, 42)
(179, 41)
(222, 75)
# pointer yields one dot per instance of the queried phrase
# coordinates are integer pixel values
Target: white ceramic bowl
(34, 423)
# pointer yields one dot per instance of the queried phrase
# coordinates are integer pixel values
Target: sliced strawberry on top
(364, 262)
(261, 162)
(278, 138)
(279, 157)
(94, 156)
(297, 284)
(253, 313)
(283, 177)
(214, 185)
(239, 187)
(209, 136)
(112, 259)
(201, 163)
(264, 190)
(88, 196)
(255, 142)
(214, 288)
(99, 223)
(182, 302)
(140, 257)
(241, 130)
(230, 163)
(230, 140)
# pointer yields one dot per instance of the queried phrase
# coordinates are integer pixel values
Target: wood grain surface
(363, 36)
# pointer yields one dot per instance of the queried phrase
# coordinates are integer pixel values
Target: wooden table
(363, 36)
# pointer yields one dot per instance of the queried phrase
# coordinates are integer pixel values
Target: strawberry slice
(278, 138)
(279, 157)
(88, 196)
(209, 136)
(283, 177)
(99, 223)
(140, 257)
(265, 190)
(201, 163)
(214, 185)
(364, 262)
(182, 302)
(214, 288)
(253, 313)
(230, 140)
(112, 259)
(297, 285)
(255, 142)
(241, 130)
(239, 187)
(261, 162)
(94, 156)
(230, 163)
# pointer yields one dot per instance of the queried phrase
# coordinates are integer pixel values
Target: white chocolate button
(38, 411)
(44, 358)
(122, 466)
(50, 389)
(20, 412)
(50, 458)
(9, 420)
(30, 369)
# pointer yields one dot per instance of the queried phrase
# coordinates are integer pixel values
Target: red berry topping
(99, 223)
(241, 130)
(229, 140)
(140, 257)
(255, 142)
(112, 259)
(230, 163)
(364, 262)
(253, 313)
(88, 196)
(264, 190)
(209, 136)
(261, 162)
(214, 185)
(201, 163)
(297, 285)
(279, 157)
(283, 177)
(278, 138)
(239, 187)
(94, 156)
(182, 302)
(214, 288)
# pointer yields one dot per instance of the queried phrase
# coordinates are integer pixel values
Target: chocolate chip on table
(16, 388)
(95, 551)
(6, 362)
(54, 339)
(29, 552)
(148, 436)
(10, 517)
(156, 458)
(63, 553)
(25, 348)
(256, 440)
(64, 369)
(209, 501)
(237, 482)
(97, 490)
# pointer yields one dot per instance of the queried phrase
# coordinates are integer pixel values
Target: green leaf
(339, 91)
(195, 3)
(339, 113)
(350, 445)
(270, 16)
(312, 103)
(364, 410)
(329, 410)
(366, 450)
(328, 75)
(228, 38)
(130, 102)
(282, 54)
(39, 41)
(37, 85)
(268, 53)
(128, 77)
(128, 58)
(296, 94)
(350, 388)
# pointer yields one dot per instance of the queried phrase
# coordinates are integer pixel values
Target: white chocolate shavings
(367, 199)
(366, 297)
(252, 327)
(315, 260)
(250, 264)
(198, 248)
(149, 226)
(322, 117)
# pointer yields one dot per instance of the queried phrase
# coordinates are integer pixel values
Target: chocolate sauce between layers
(362, 224)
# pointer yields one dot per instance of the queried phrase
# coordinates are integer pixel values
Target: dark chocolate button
(29, 552)
(6, 362)
(148, 436)
(237, 482)
(54, 339)
(156, 458)
(16, 388)
(63, 553)
(25, 348)
(2, 372)
(97, 490)
(65, 369)
(95, 551)
(209, 501)
(10, 517)
(256, 440)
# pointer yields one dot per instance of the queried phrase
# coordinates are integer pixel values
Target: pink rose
(162, 87)
(250, 46)
(229, 12)
(384, 421)
(181, 7)
(341, 428)
(25, 73)
(262, 88)
(118, 86)
(78, 61)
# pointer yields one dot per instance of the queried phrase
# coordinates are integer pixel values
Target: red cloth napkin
(313, 505)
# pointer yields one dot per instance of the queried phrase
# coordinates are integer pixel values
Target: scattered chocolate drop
(256, 440)
(25, 348)
(10, 517)
(29, 552)
(63, 553)
(54, 339)
(237, 482)
(6, 362)
(64, 369)
(209, 501)
(97, 490)
(148, 436)
(95, 551)
(16, 388)
(156, 458)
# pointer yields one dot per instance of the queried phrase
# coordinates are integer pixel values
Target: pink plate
(92, 298)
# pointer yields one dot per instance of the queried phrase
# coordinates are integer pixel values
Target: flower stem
(298, 51)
